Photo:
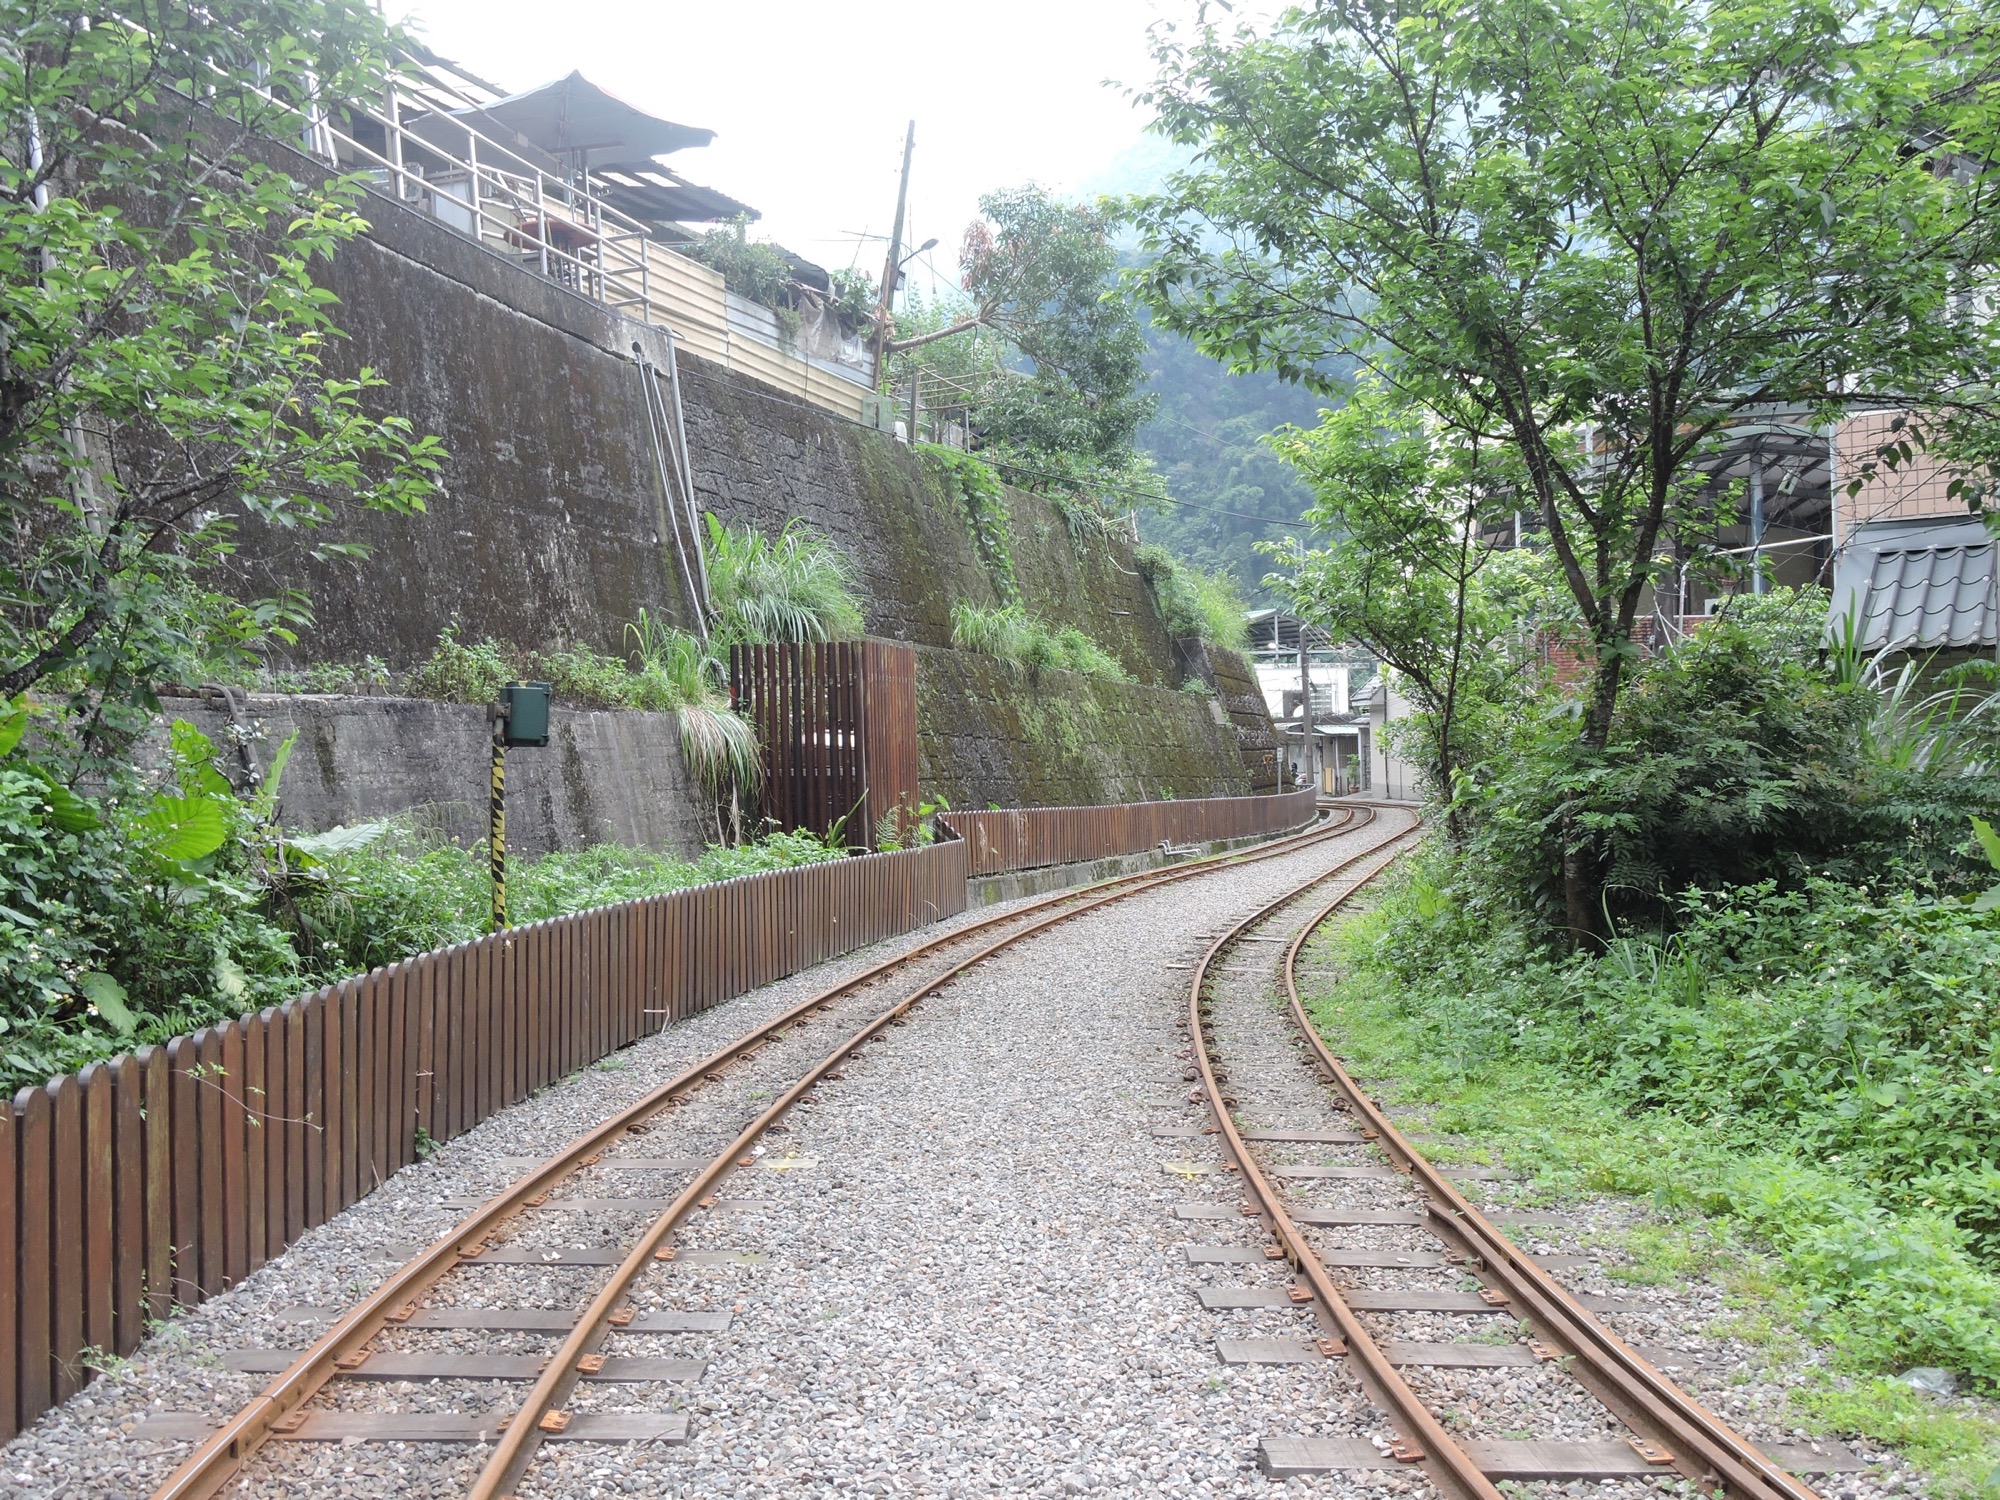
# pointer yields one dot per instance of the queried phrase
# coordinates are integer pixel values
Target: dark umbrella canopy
(575, 119)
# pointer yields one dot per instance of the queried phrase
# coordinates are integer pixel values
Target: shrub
(457, 672)
(1736, 758)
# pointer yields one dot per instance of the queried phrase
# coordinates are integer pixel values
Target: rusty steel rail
(224, 1453)
(1702, 1446)
(1423, 1440)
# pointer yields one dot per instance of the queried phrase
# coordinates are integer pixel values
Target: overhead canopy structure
(576, 120)
(1919, 585)
(651, 193)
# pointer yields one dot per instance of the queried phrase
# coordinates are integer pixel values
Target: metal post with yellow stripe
(521, 717)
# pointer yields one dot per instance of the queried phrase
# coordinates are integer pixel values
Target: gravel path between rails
(1080, 1021)
(975, 1283)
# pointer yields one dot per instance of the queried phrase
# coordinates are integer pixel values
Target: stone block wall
(992, 734)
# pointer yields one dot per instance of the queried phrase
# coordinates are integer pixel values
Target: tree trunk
(1583, 892)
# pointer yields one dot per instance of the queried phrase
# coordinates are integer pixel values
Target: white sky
(809, 100)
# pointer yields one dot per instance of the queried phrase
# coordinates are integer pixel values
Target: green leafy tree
(1044, 352)
(165, 370)
(1404, 501)
(1600, 229)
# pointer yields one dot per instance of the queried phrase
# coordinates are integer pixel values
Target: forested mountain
(1207, 439)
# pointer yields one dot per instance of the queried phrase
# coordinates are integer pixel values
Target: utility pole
(1306, 757)
(892, 267)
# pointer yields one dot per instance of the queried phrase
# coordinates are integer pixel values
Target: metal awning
(573, 118)
(1918, 585)
(648, 191)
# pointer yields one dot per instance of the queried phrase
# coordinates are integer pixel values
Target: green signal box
(525, 714)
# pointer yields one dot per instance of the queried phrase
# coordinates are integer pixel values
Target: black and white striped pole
(521, 717)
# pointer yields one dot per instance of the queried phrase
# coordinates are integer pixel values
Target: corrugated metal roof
(1919, 586)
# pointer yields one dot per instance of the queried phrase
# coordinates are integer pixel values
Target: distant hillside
(1206, 438)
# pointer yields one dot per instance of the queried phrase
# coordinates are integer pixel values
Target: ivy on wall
(979, 490)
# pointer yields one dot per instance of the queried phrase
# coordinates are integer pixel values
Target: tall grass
(1194, 602)
(798, 587)
(676, 672)
(1014, 635)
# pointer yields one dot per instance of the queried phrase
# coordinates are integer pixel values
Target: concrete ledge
(986, 890)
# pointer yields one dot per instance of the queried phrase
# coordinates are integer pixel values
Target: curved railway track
(1666, 1431)
(297, 1397)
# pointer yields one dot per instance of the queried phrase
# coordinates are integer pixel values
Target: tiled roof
(1919, 586)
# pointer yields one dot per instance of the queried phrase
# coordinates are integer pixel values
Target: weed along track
(1356, 1253)
(552, 1320)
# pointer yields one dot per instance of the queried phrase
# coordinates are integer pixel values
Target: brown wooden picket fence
(1023, 838)
(160, 1178)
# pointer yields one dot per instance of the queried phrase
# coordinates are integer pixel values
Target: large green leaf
(13, 723)
(266, 801)
(185, 827)
(68, 811)
(108, 995)
(337, 841)
(1988, 841)
(195, 754)
(231, 981)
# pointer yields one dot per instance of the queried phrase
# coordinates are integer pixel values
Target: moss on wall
(993, 735)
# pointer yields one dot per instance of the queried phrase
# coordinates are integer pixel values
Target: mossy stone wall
(991, 734)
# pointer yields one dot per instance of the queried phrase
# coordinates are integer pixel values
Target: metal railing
(424, 150)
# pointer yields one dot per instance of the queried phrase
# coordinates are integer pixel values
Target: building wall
(1916, 488)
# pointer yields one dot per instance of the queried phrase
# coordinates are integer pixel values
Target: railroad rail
(1669, 1430)
(282, 1409)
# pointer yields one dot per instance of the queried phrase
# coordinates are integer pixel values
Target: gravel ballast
(963, 1269)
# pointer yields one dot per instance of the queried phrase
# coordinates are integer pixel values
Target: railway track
(1409, 1284)
(321, 1394)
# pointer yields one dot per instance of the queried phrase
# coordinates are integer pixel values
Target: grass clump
(1194, 602)
(794, 587)
(1014, 635)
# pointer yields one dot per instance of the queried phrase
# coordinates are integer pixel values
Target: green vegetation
(1041, 359)
(755, 270)
(161, 376)
(179, 902)
(1014, 635)
(976, 484)
(1208, 442)
(1193, 602)
(1814, 1070)
(796, 587)
(1565, 274)
(1785, 1037)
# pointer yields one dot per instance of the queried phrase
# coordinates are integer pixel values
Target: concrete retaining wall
(613, 778)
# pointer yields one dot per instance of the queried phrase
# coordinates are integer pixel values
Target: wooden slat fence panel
(163, 1177)
(1024, 838)
(838, 725)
